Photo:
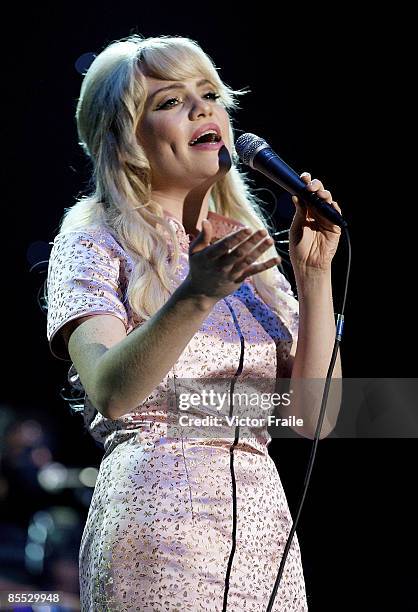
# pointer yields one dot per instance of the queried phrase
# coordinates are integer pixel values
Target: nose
(200, 107)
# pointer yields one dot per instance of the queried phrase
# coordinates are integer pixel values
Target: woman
(173, 244)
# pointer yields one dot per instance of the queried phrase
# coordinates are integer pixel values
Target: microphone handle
(310, 197)
(271, 165)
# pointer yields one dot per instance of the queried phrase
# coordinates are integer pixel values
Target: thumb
(203, 238)
(300, 208)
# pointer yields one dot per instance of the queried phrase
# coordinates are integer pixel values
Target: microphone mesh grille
(246, 146)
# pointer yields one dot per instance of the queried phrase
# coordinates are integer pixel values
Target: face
(169, 122)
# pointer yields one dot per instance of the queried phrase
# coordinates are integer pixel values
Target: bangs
(178, 59)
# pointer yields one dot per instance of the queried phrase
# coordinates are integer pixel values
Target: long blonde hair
(109, 109)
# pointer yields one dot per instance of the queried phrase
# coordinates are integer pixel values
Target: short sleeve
(83, 278)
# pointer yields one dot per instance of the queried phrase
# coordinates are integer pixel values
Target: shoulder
(92, 247)
(87, 276)
(88, 238)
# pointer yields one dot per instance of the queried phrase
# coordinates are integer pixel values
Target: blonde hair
(109, 109)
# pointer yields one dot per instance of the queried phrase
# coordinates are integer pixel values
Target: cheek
(226, 127)
(161, 136)
(169, 132)
(145, 138)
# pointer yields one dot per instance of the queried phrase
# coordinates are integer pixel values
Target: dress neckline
(221, 224)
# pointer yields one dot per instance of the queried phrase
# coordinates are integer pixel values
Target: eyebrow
(179, 86)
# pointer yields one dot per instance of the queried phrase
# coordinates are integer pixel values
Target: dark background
(329, 93)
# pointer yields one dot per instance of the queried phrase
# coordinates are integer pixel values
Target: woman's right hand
(218, 269)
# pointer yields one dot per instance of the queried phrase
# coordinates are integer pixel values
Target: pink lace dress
(159, 527)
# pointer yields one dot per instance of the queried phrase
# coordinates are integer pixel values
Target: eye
(212, 96)
(167, 103)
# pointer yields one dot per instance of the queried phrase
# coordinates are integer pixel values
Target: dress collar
(221, 226)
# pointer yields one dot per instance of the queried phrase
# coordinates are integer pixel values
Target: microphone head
(247, 146)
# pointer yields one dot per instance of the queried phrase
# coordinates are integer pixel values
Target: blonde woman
(166, 271)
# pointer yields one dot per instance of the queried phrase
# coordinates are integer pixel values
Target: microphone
(256, 153)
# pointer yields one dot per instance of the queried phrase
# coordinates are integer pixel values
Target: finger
(203, 238)
(317, 215)
(225, 246)
(337, 208)
(255, 268)
(301, 208)
(244, 248)
(252, 255)
(315, 185)
(325, 195)
(207, 231)
(306, 177)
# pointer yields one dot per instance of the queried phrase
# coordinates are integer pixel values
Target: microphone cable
(231, 460)
(338, 338)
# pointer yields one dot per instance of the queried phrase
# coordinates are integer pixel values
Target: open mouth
(209, 137)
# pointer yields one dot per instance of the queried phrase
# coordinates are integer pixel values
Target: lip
(205, 128)
(209, 146)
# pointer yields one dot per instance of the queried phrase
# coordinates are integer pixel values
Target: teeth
(192, 142)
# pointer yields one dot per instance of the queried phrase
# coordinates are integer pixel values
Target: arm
(313, 243)
(118, 371)
(109, 370)
(311, 355)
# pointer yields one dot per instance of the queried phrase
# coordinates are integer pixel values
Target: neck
(190, 207)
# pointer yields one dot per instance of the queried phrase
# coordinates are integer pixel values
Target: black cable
(231, 461)
(338, 337)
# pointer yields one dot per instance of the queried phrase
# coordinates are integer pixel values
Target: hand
(313, 239)
(216, 270)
